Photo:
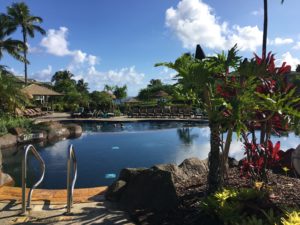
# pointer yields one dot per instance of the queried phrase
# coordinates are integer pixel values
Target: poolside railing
(71, 179)
(24, 176)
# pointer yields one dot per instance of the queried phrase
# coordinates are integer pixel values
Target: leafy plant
(259, 158)
(232, 206)
(291, 218)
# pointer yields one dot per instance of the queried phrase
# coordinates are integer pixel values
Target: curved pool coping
(53, 196)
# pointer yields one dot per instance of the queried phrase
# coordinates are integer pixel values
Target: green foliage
(231, 206)
(75, 93)
(120, 92)
(101, 100)
(291, 218)
(8, 122)
(155, 85)
(7, 44)
(10, 94)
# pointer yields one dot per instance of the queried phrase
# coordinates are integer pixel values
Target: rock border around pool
(51, 131)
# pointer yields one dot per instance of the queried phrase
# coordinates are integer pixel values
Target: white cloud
(297, 46)
(247, 38)
(258, 12)
(281, 41)
(167, 75)
(289, 59)
(43, 75)
(124, 76)
(55, 42)
(195, 22)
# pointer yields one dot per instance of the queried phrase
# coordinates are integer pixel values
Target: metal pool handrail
(24, 176)
(71, 180)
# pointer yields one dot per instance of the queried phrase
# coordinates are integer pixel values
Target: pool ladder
(70, 179)
(24, 176)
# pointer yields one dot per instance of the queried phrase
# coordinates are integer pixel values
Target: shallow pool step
(53, 196)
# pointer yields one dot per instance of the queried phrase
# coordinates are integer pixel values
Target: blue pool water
(105, 148)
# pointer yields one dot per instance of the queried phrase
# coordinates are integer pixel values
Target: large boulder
(8, 140)
(155, 188)
(151, 188)
(74, 129)
(5, 179)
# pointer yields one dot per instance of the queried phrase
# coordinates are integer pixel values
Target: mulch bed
(285, 192)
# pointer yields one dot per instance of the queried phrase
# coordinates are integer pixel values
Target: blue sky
(118, 42)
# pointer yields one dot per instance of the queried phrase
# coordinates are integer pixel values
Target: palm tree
(265, 29)
(12, 47)
(19, 15)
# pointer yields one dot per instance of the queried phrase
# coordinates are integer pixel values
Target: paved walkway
(49, 207)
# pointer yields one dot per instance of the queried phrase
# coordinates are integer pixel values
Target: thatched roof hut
(34, 90)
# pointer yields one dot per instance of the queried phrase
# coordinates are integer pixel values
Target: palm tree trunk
(226, 153)
(25, 54)
(265, 31)
(214, 176)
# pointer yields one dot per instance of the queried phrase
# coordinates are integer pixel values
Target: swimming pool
(105, 148)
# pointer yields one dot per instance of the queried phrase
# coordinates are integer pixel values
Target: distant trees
(120, 92)
(75, 93)
(100, 100)
(154, 86)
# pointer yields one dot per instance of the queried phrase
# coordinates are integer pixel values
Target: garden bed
(283, 193)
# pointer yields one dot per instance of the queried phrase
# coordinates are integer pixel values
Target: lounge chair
(143, 112)
(150, 112)
(78, 113)
(158, 112)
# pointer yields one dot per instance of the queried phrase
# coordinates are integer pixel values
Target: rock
(128, 173)
(232, 162)
(155, 188)
(74, 129)
(56, 133)
(194, 166)
(114, 191)
(150, 189)
(8, 140)
(17, 131)
(6, 180)
(296, 159)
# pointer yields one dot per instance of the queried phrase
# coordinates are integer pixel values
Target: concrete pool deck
(49, 207)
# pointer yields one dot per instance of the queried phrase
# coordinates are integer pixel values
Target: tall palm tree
(11, 46)
(19, 16)
(265, 29)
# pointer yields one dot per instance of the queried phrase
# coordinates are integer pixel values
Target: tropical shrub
(232, 206)
(259, 158)
(291, 218)
(9, 122)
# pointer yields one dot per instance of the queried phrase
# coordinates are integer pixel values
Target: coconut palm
(265, 29)
(19, 16)
(11, 46)
(11, 96)
(200, 76)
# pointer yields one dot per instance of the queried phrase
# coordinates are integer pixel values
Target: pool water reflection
(105, 148)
